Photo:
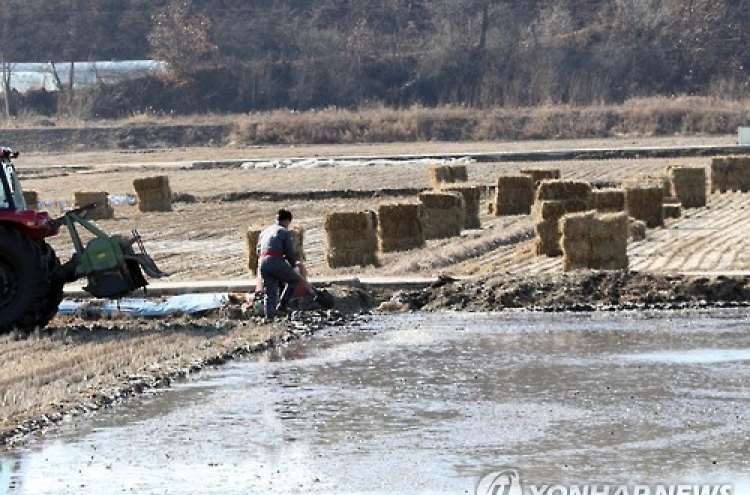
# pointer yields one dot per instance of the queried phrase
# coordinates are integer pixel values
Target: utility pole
(6, 83)
(5, 68)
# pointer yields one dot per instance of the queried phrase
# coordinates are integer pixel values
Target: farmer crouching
(276, 264)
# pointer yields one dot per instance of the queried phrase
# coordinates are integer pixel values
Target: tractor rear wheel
(51, 303)
(25, 281)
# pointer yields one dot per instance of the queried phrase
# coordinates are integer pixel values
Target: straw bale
(689, 185)
(548, 213)
(154, 193)
(350, 220)
(400, 227)
(32, 199)
(614, 224)
(646, 203)
(251, 248)
(576, 225)
(563, 190)
(576, 254)
(514, 195)
(594, 240)
(472, 195)
(442, 200)
(149, 183)
(351, 238)
(730, 173)
(608, 200)
(540, 174)
(458, 173)
(649, 180)
(298, 237)
(547, 242)
(103, 209)
(636, 229)
(439, 175)
(442, 214)
(553, 210)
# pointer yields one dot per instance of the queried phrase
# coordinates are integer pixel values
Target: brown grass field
(77, 362)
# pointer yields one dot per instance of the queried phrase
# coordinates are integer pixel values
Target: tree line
(239, 55)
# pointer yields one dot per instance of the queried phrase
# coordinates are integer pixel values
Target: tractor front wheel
(25, 281)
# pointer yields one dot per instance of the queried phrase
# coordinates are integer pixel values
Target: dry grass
(53, 371)
(654, 116)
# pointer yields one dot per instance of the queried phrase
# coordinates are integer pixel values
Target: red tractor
(31, 275)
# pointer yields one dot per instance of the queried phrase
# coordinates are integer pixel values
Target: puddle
(693, 356)
(429, 403)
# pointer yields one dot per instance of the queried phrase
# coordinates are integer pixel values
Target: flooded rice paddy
(430, 403)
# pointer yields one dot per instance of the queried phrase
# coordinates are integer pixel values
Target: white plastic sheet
(184, 303)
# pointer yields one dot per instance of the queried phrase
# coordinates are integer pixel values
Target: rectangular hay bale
(351, 238)
(103, 209)
(608, 200)
(514, 195)
(442, 214)
(646, 203)
(400, 227)
(472, 195)
(154, 194)
(689, 186)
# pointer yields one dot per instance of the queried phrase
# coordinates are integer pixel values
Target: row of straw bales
(154, 194)
(593, 240)
(353, 238)
(514, 194)
(447, 174)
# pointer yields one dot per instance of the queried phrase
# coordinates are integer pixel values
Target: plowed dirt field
(204, 239)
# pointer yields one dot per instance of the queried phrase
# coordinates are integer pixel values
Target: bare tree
(181, 38)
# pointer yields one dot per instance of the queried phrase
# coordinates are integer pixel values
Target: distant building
(29, 76)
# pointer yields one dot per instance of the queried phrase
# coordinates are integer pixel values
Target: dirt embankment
(582, 291)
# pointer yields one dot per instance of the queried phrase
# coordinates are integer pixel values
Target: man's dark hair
(284, 215)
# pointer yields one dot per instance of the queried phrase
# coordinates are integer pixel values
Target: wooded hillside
(246, 55)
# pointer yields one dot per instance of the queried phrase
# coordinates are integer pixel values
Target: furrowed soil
(77, 364)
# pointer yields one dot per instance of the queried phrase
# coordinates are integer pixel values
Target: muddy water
(430, 404)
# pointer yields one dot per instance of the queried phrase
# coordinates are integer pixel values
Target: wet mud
(583, 291)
